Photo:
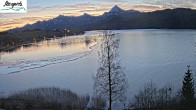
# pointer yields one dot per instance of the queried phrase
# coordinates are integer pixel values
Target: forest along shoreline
(10, 41)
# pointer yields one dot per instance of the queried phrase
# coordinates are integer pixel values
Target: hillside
(118, 18)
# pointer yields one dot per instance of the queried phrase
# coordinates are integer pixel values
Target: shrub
(45, 98)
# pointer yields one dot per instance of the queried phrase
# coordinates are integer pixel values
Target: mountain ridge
(117, 18)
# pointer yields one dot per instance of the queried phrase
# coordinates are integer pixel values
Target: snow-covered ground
(46, 53)
(157, 55)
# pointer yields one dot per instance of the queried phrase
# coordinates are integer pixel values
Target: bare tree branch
(110, 81)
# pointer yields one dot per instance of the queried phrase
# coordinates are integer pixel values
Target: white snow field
(160, 56)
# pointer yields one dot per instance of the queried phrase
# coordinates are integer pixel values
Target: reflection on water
(38, 54)
(160, 56)
(11, 49)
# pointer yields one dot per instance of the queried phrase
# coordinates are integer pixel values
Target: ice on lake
(160, 56)
(37, 55)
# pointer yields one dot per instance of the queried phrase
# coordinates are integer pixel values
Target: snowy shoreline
(23, 65)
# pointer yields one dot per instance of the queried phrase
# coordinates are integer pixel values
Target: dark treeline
(12, 40)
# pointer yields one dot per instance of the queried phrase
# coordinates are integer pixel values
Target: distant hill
(117, 18)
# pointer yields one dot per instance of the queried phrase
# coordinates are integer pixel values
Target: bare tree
(50, 98)
(97, 103)
(152, 98)
(1, 54)
(164, 97)
(110, 81)
(146, 97)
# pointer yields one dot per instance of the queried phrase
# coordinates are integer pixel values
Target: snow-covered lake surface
(160, 56)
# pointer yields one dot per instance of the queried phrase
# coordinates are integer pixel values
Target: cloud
(38, 12)
(19, 22)
(75, 9)
(146, 8)
(1, 15)
(100, 8)
(172, 3)
(114, 1)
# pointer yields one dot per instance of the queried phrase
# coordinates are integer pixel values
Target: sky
(39, 10)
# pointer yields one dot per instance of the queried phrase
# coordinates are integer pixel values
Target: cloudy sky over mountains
(46, 9)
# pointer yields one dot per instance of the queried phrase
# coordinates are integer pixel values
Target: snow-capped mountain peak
(86, 15)
(116, 9)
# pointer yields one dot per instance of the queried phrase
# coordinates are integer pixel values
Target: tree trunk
(110, 85)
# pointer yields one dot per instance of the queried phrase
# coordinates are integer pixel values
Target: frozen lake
(157, 55)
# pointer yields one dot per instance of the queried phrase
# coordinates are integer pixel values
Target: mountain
(115, 11)
(117, 18)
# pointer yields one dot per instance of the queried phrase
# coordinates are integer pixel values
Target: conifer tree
(188, 88)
